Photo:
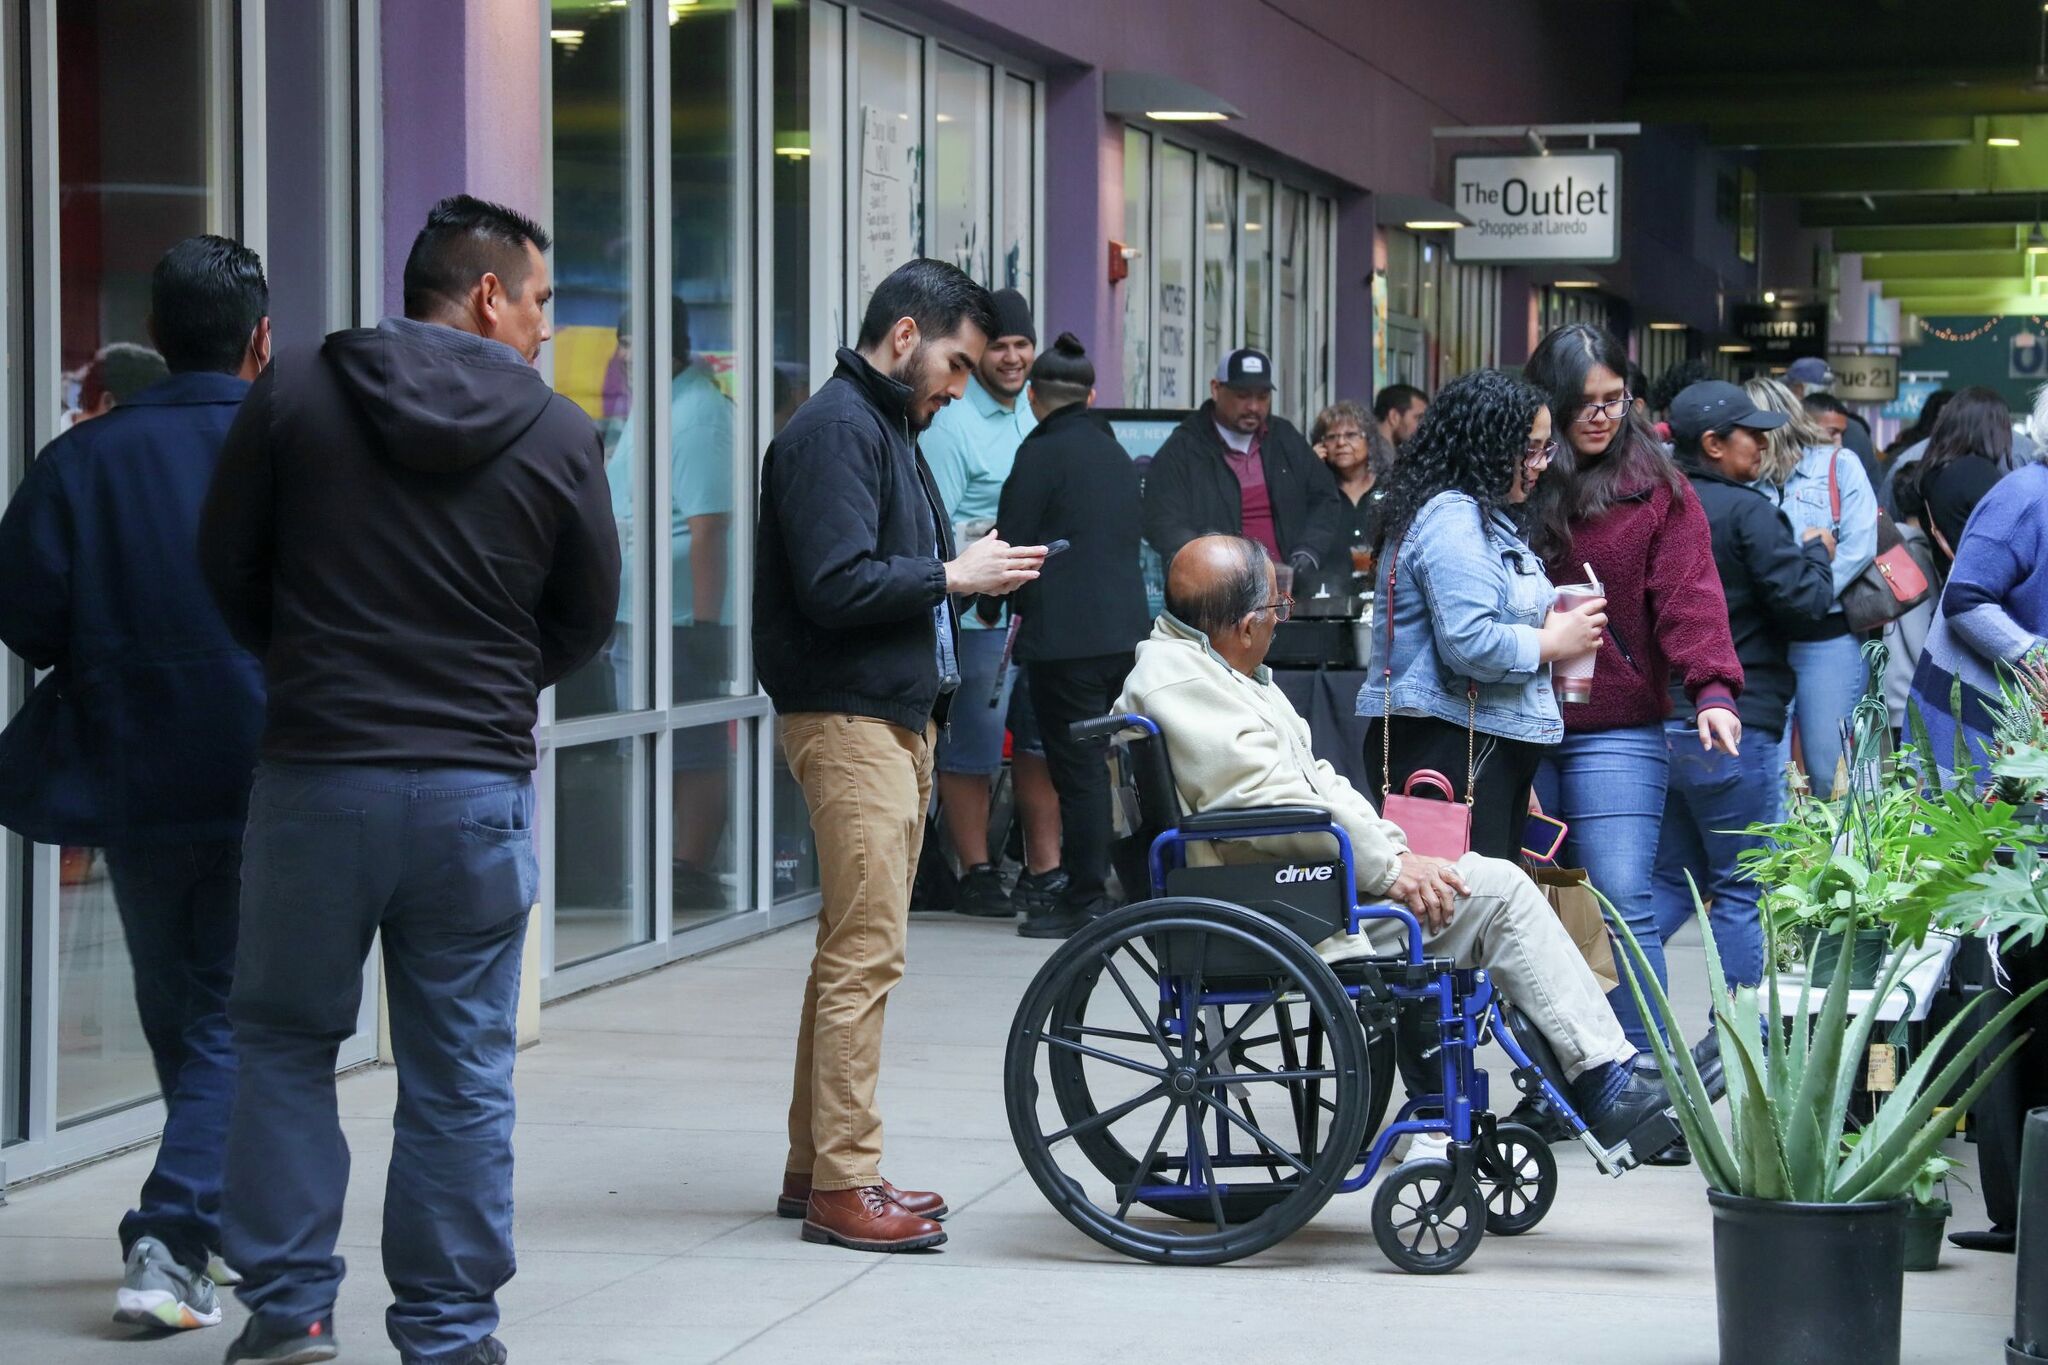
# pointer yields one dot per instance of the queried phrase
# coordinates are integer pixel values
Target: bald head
(1217, 581)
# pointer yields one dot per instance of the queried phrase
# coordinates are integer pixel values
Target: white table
(1930, 965)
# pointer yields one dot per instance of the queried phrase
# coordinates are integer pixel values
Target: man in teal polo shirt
(700, 441)
(970, 447)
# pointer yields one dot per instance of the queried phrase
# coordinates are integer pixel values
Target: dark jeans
(1999, 1117)
(1503, 773)
(178, 905)
(1710, 799)
(1062, 692)
(442, 862)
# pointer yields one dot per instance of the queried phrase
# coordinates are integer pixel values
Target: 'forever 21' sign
(1563, 209)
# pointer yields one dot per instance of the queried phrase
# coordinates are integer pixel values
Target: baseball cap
(1808, 370)
(1715, 403)
(1245, 368)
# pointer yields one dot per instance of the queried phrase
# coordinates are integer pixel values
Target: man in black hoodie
(415, 536)
(856, 642)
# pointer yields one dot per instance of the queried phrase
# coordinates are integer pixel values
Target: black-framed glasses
(1611, 410)
(1538, 455)
(1282, 609)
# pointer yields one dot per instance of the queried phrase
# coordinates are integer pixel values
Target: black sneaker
(489, 1351)
(982, 893)
(275, 1344)
(1039, 890)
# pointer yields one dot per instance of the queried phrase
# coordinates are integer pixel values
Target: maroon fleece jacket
(1665, 610)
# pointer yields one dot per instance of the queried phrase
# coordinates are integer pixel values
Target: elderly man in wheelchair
(1259, 996)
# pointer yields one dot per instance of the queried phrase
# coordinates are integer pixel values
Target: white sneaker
(158, 1292)
(1428, 1147)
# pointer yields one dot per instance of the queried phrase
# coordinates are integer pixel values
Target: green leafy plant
(2019, 733)
(1789, 1083)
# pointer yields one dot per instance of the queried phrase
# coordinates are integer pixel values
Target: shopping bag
(1571, 896)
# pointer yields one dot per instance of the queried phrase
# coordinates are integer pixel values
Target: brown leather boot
(796, 1193)
(866, 1219)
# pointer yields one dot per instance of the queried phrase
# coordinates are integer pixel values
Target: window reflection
(712, 850)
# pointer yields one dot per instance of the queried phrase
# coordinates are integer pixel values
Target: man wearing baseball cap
(1773, 583)
(1233, 467)
(1808, 374)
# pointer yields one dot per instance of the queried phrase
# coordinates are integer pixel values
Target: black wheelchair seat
(1253, 817)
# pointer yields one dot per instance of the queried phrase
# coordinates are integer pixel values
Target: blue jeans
(442, 862)
(1608, 785)
(1831, 679)
(178, 905)
(1711, 795)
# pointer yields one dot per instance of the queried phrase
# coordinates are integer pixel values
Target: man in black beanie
(970, 447)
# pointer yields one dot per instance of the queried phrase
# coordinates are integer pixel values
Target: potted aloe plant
(1790, 1184)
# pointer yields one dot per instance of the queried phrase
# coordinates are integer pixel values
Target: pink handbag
(1435, 828)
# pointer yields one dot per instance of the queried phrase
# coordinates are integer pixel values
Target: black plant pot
(1843, 1302)
(1924, 1226)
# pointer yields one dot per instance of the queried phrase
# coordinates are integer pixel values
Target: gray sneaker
(158, 1292)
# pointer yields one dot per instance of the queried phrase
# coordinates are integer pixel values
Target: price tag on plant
(1881, 1074)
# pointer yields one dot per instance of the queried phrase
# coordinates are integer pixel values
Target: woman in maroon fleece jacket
(1615, 500)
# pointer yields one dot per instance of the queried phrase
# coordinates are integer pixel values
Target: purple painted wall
(1084, 209)
(460, 112)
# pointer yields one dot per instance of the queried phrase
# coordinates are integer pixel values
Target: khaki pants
(1506, 927)
(867, 784)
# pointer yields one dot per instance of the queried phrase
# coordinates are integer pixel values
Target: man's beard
(910, 374)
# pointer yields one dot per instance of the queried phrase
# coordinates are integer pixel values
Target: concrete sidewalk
(651, 1145)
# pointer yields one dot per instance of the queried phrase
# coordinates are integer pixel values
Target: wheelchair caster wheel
(1423, 1222)
(1517, 1178)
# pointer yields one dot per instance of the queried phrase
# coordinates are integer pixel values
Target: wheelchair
(1188, 1082)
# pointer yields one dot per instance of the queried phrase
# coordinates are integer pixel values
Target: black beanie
(1013, 316)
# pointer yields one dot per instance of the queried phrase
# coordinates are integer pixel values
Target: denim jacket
(1806, 504)
(1468, 605)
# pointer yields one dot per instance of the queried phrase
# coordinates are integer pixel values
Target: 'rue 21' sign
(1563, 209)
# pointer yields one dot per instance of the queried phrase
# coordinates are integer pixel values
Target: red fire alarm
(1120, 260)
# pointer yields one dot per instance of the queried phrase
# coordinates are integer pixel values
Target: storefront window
(960, 165)
(142, 96)
(713, 853)
(1138, 286)
(1173, 383)
(802, 151)
(601, 831)
(1220, 327)
(707, 371)
(890, 190)
(309, 169)
(1290, 336)
(599, 348)
(1320, 232)
(1258, 261)
(1017, 241)
(795, 854)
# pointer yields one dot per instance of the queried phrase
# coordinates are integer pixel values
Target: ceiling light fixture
(1770, 296)
(1667, 327)
(1734, 348)
(571, 38)
(1185, 115)
(1432, 225)
(1575, 284)
(2001, 142)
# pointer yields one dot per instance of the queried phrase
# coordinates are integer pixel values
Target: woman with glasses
(1820, 487)
(1613, 501)
(1464, 669)
(1359, 454)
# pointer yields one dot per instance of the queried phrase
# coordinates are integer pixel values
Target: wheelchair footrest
(1645, 1140)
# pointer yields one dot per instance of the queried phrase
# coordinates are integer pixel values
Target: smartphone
(1542, 838)
(1054, 547)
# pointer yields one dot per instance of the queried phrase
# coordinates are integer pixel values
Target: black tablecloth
(1328, 699)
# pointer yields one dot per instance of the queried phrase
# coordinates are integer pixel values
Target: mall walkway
(650, 1145)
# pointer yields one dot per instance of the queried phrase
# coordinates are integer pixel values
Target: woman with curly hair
(1820, 487)
(1464, 667)
(1614, 500)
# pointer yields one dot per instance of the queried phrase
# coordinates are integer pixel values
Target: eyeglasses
(1610, 410)
(1342, 437)
(1539, 456)
(1282, 609)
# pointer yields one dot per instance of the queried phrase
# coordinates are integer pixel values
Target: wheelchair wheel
(1423, 1223)
(1202, 1063)
(1517, 1177)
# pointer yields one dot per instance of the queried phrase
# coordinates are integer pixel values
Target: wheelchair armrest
(1295, 818)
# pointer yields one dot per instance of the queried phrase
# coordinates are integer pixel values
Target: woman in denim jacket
(1473, 632)
(1826, 659)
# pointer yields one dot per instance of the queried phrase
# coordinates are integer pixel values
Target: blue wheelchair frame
(1466, 1005)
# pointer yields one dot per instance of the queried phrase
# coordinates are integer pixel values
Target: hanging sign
(1865, 378)
(1780, 331)
(1563, 209)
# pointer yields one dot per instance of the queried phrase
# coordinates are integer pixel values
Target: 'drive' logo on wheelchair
(1291, 875)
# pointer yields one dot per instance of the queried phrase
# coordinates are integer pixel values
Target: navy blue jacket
(99, 580)
(849, 559)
